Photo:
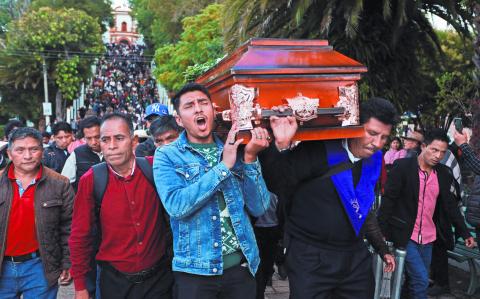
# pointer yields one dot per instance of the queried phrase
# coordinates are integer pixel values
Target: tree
(201, 43)
(160, 21)
(455, 95)
(11, 10)
(99, 10)
(391, 37)
(68, 40)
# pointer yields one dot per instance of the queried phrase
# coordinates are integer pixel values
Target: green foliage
(67, 37)
(99, 10)
(456, 93)
(201, 44)
(67, 78)
(160, 21)
(11, 10)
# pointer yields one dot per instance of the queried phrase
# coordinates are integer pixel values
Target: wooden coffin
(318, 84)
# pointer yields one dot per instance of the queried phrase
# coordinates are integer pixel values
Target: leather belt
(137, 277)
(22, 258)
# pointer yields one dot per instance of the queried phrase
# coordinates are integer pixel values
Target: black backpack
(100, 181)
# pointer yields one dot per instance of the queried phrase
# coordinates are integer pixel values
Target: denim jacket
(187, 185)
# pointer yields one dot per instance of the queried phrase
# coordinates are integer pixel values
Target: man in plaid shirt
(468, 153)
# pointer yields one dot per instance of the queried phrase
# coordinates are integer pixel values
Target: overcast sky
(119, 2)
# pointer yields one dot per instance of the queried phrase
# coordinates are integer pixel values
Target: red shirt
(133, 237)
(21, 232)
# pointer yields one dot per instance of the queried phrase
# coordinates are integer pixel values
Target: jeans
(417, 263)
(27, 279)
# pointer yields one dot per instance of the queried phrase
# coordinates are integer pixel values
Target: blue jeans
(417, 263)
(27, 279)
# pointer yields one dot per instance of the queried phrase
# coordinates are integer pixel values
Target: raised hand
(460, 138)
(389, 263)
(283, 128)
(230, 148)
(260, 141)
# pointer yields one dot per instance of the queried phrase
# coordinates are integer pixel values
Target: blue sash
(356, 201)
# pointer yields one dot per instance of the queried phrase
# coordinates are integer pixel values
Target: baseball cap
(156, 109)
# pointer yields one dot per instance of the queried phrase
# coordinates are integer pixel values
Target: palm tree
(393, 38)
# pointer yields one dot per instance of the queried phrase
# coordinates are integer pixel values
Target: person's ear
(135, 141)
(179, 120)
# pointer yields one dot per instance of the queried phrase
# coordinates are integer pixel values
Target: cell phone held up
(457, 121)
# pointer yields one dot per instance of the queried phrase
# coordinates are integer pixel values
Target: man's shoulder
(443, 170)
(51, 174)
(87, 176)
(81, 148)
(169, 149)
(49, 150)
(406, 162)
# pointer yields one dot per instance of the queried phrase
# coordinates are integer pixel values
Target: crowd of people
(186, 214)
(122, 83)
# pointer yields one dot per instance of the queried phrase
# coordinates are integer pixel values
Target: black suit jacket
(399, 207)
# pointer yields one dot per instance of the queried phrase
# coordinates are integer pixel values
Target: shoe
(282, 272)
(437, 290)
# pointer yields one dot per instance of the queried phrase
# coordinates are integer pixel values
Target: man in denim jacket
(209, 194)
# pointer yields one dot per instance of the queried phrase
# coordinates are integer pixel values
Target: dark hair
(46, 134)
(189, 87)
(397, 139)
(117, 115)
(61, 126)
(380, 109)
(12, 125)
(89, 122)
(163, 124)
(435, 134)
(22, 133)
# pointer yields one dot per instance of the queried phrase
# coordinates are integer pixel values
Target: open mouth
(201, 122)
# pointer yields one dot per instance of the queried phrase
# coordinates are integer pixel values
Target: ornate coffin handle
(304, 109)
(348, 99)
(244, 113)
(241, 103)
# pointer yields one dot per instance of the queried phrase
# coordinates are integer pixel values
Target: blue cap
(156, 109)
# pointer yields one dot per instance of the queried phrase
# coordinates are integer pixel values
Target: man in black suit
(418, 208)
(328, 214)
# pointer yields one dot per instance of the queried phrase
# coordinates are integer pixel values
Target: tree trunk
(59, 109)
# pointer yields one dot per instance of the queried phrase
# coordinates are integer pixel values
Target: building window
(124, 26)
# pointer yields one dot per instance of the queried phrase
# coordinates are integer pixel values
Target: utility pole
(45, 89)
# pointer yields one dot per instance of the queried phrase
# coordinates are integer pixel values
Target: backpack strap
(146, 169)
(100, 181)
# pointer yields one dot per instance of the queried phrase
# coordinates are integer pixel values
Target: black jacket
(399, 207)
(314, 211)
(146, 148)
(85, 158)
(54, 158)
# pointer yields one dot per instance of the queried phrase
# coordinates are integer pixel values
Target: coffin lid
(268, 56)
